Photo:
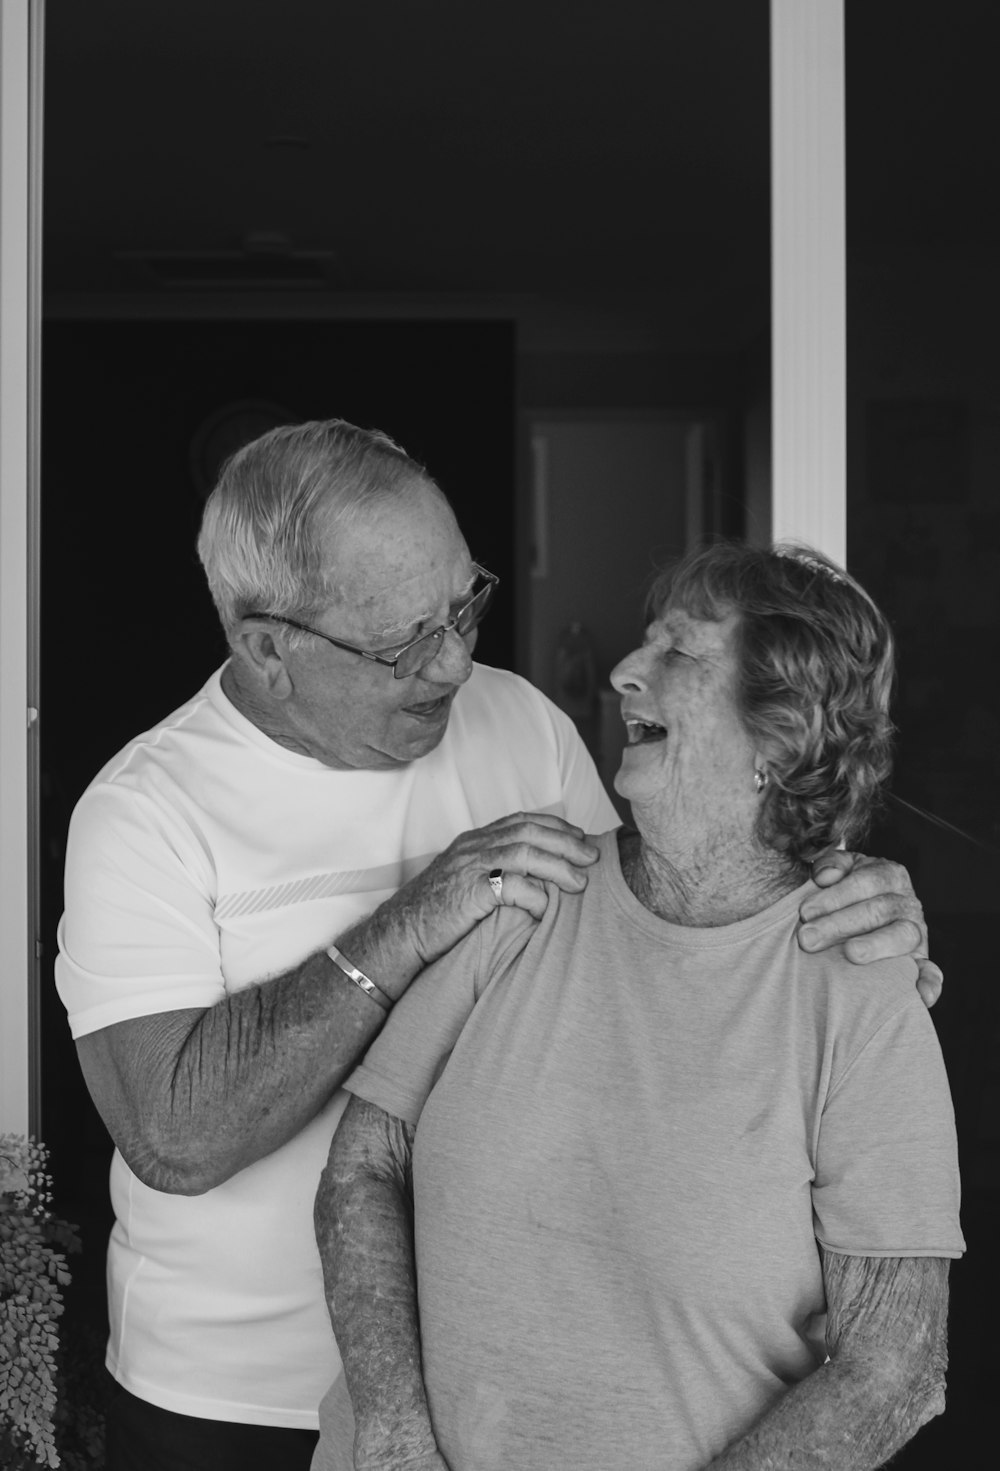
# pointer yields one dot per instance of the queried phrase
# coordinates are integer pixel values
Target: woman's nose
(628, 675)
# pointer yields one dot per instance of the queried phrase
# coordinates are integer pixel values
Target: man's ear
(263, 660)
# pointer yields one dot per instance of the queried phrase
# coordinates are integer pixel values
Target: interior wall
(615, 510)
(757, 440)
(609, 507)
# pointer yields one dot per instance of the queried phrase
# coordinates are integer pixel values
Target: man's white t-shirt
(202, 859)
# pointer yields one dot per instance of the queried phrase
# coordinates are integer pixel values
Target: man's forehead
(406, 617)
(403, 563)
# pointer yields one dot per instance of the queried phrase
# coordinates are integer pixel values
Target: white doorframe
(21, 39)
(808, 275)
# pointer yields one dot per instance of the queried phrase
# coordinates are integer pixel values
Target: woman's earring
(759, 779)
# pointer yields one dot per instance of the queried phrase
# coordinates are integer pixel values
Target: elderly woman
(675, 1193)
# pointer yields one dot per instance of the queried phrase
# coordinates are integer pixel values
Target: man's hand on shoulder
(868, 904)
(453, 893)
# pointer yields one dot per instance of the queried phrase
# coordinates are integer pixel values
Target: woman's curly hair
(815, 675)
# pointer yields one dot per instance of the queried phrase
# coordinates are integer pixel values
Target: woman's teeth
(641, 731)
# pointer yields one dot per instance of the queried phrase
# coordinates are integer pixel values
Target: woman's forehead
(676, 623)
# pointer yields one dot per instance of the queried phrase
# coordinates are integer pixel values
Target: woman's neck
(718, 883)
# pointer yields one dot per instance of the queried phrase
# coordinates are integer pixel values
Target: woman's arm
(887, 1340)
(364, 1229)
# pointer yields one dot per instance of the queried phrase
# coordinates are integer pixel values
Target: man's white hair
(261, 541)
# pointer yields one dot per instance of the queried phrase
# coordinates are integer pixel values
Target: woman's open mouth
(642, 732)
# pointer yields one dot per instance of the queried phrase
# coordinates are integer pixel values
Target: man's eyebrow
(395, 633)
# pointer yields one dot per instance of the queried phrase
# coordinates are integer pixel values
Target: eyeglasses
(420, 651)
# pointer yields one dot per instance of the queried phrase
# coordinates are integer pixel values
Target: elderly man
(324, 809)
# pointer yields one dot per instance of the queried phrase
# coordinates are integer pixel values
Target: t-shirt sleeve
(887, 1181)
(137, 936)
(410, 1053)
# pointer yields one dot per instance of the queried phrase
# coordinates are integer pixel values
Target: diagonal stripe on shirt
(321, 886)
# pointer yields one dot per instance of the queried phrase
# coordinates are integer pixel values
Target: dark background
(135, 420)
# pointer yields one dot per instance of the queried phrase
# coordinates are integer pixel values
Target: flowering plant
(32, 1272)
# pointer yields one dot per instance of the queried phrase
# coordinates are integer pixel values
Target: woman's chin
(637, 775)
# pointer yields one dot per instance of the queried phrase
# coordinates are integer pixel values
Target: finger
(830, 926)
(853, 893)
(901, 938)
(880, 914)
(560, 841)
(867, 879)
(528, 820)
(831, 866)
(547, 867)
(520, 892)
(930, 981)
(561, 858)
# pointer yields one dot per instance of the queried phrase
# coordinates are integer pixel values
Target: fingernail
(807, 937)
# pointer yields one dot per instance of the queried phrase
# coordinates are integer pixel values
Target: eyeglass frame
(391, 660)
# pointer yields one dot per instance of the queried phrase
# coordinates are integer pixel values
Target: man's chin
(421, 729)
(423, 742)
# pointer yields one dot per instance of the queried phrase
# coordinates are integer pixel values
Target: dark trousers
(142, 1437)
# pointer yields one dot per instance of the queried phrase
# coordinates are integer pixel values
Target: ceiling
(601, 161)
(599, 153)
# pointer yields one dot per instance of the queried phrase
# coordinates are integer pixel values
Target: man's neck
(256, 708)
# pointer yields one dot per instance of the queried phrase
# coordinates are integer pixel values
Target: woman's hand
(869, 904)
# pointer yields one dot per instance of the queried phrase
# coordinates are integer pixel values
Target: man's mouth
(429, 707)
(642, 732)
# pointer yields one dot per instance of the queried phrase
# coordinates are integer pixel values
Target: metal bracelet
(363, 982)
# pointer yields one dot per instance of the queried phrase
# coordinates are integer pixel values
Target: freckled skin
(397, 574)
(692, 793)
(696, 859)
(683, 678)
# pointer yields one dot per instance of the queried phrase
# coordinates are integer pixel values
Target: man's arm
(190, 1097)
(887, 1341)
(868, 903)
(364, 1230)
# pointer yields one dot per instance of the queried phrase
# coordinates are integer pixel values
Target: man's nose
(452, 664)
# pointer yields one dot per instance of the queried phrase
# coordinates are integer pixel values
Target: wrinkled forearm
(839, 1419)
(364, 1230)
(192, 1097)
(887, 1339)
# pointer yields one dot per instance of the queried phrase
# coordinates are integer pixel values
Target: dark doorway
(135, 417)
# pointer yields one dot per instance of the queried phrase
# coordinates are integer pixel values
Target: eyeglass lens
(424, 649)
